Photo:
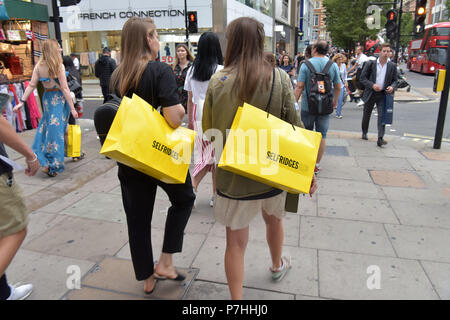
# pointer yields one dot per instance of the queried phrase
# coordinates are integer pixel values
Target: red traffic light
(192, 17)
(391, 15)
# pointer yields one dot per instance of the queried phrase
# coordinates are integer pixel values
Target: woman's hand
(191, 125)
(32, 166)
(17, 107)
(314, 186)
(74, 113)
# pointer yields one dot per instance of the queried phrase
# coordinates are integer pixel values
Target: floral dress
(48, 143)
(180, 76)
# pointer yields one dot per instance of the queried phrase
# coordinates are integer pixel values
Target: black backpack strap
(327, 66)
(310, 66)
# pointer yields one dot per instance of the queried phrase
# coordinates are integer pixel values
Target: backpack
(320, 95)
(104, 116)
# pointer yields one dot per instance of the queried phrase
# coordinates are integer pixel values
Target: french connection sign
(105, 15)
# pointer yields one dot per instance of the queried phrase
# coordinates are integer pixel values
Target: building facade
(306, 23)
(319, 22)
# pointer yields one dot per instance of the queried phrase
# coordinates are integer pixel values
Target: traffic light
(420, 15)
(67, 3)
(391, 25)
(192, 22)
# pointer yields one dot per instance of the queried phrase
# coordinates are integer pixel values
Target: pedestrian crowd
(208, 89)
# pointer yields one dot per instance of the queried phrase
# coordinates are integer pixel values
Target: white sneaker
(278, 275)
(360, 104)
(211, 202)
(20, 292)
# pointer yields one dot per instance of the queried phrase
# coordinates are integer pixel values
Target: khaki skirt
(237, 214)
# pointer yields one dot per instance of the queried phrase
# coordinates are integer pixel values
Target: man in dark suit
(379, 78)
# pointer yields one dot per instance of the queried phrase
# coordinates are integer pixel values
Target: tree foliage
(345, 20)
(407, 29)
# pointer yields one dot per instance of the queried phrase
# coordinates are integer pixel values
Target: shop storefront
(24, 27)
(93, 25)
(261, 10)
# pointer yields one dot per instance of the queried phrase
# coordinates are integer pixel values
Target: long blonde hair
(135, 52)
(51, 56)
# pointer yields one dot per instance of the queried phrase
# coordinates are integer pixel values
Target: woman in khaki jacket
(248, 77)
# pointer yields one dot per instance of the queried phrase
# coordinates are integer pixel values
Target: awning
(26, 10)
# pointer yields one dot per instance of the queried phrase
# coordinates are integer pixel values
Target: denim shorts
(321, 123)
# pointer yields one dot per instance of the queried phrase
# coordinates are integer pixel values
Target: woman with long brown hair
(57, 104)
(154, 82)
(183, 61)
(248, 77)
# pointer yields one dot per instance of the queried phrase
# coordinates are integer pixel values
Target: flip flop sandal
(154, 287)
(179, 277)
(51, 174)
(81, 157)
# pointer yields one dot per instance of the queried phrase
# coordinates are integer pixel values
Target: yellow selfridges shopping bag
(141, 138)
(267, 149)
(74, 141)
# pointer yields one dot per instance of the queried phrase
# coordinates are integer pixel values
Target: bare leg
(165, 266)
(234, 261)
(275, 237)
(213, 173)
(198, 178)
(8, 248)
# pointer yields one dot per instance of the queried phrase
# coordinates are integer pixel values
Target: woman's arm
(66, 91)
(10, 138)
(174, 115)
(190, 109)
(31, 86)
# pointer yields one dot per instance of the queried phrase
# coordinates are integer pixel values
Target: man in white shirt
(379, 78)
(75, 60)
(360, 59)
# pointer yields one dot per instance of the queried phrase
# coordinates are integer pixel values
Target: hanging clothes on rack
(26, 108)
(84, 59)
(18, 119)
(35, 114)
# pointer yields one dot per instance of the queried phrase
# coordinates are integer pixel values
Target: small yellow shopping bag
(141, 138)
(267, 149)
(74, 141)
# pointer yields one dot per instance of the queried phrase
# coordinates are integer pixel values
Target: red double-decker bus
(428, 54)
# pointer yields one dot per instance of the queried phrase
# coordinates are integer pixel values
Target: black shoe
(364, 136)
(381, 142)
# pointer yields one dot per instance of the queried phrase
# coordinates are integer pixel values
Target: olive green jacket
(219, 109)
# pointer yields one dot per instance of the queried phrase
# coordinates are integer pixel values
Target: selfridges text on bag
(320, 94)
(142, 139)
(267, 149)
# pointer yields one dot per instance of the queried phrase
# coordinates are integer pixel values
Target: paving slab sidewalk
(377, 228)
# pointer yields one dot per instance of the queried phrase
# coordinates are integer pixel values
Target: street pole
(397, 45)
(443, 105)
(186, 23)
(56, 20)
